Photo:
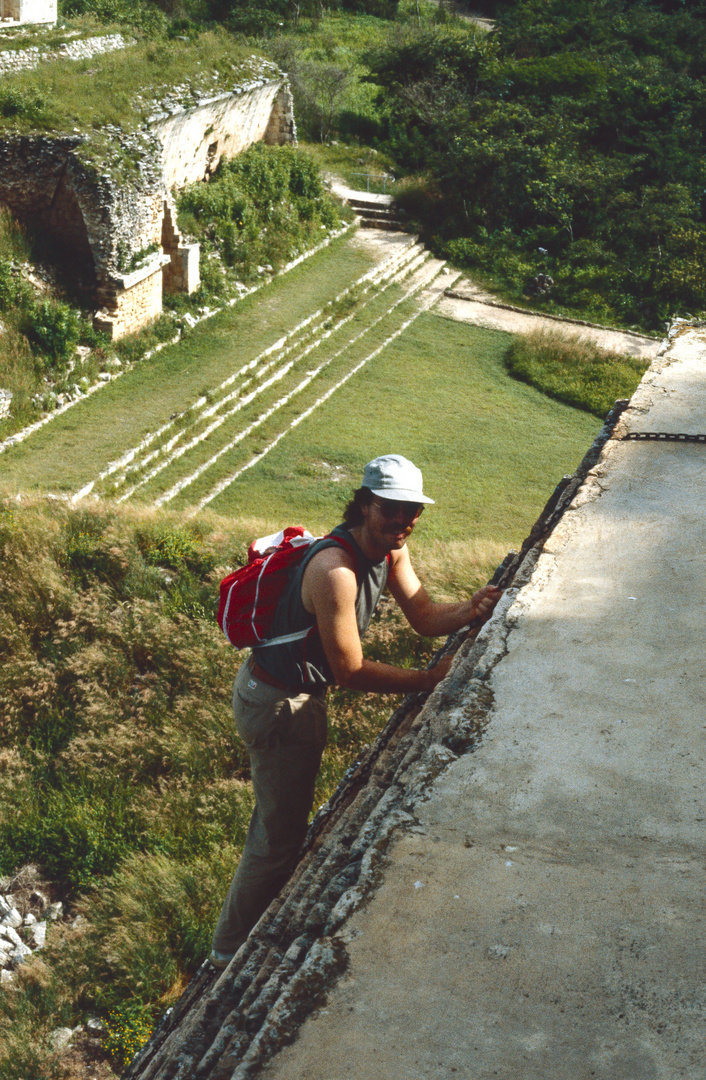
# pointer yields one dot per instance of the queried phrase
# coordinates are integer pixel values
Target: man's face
(391, 521)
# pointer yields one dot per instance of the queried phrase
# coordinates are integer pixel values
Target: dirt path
(470, 304)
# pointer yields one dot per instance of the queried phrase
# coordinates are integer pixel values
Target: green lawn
(491, 448)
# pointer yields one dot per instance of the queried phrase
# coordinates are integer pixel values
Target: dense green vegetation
(568, 142)
(39, 336)
(264, 207)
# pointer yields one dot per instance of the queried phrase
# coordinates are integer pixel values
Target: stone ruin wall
(98, 220)
(194, 141)
(41, 181)
(90, 219)
(191, 143)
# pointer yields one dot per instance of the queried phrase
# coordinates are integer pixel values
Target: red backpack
(249, 596)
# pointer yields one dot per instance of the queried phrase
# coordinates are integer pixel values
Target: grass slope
(119, 764)
(122, 88)
(574, 370)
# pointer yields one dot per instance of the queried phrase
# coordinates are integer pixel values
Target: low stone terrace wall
(31, 57)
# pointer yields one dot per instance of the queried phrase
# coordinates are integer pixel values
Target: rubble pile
(25, 913)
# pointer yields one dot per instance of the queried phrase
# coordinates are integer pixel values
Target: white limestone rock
(60, 1038)
(10, 934)
(13, 919)
(39, 935)
(95, 1026)
(21, 953)
(38, 899)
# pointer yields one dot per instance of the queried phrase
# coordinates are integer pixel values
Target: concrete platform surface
(544, 920)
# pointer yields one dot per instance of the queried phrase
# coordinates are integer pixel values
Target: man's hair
(353, 514)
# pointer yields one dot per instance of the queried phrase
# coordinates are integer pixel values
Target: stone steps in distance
(223, 453)
(124, 475)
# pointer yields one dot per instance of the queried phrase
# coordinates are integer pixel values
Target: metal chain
(662, 436)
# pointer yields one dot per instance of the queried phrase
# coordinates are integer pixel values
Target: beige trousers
(285, 738)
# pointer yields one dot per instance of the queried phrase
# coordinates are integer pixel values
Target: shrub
(17, 374)
(382, 9)
(26, 103)
(133, 347)
(260, 208)
(169, 546)
(421, 199)
(14, 290)
(135, 14)
(129, 1028)
(574, 370)
(78, 835)
(54, 329)
(93, 559)
(13, 243)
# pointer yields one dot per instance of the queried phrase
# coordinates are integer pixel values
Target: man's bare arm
(428, 617)
(329, 591)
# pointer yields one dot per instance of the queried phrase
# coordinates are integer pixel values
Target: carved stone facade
(111, 214)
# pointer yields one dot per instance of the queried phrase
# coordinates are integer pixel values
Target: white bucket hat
(395, 477)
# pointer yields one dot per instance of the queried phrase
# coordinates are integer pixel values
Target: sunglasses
(392, 508)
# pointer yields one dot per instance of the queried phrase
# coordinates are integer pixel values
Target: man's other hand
(483, 602)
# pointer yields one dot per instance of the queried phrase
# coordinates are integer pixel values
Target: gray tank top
(302, 665)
